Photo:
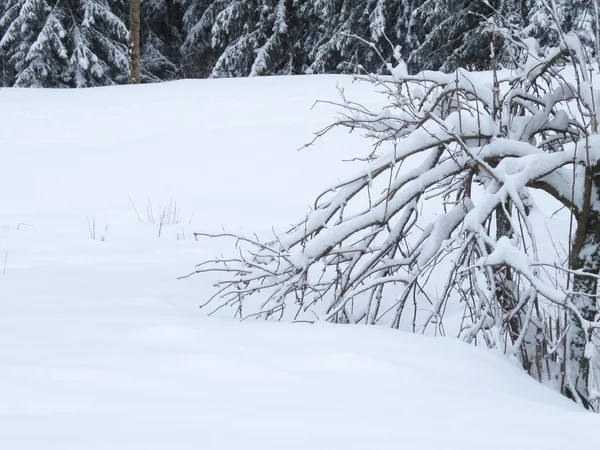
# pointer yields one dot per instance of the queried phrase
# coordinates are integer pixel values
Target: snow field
(101, 347)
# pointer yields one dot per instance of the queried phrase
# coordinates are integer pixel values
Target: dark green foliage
(162, 37)
(65, 43)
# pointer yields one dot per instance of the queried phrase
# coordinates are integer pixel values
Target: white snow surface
(101, 347)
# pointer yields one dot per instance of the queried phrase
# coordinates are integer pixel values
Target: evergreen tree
(337, 49)
(99, 54)
(316, 43)
(264, 49)
(274, 55)
(578, 16)
(337, 34)
(5, 74)
(33, 44)
(197, 52)
(239, 38)
(237, 33)
(79, 43)
(452, 35)
(162, 38)
(66, 43)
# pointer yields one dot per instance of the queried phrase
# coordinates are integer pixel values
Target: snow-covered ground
(101, 347)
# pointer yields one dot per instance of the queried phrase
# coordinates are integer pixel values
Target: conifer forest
(83, 43)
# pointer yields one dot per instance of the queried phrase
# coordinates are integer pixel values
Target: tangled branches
(436, 233)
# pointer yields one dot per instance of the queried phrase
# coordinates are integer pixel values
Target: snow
(103, 348)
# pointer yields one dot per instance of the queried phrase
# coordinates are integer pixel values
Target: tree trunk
(503, 274)
(134, 41)
(585, 256)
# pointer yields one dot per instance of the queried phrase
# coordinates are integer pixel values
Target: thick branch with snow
(435, 234)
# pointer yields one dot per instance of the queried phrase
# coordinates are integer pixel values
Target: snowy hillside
(101, 347)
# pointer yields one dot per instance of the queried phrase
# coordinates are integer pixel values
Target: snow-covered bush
(440, 232)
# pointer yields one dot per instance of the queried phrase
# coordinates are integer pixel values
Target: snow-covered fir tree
(33, 44)
(197, 53)
(347, 28)
(252, 37)
(80, 43)
(98, 53)
(578, 16)
(238, 32)
(70, 43)
(451, 35)
(162, 38)
(238, 38)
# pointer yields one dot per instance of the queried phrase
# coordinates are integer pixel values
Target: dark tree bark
(585, 256)
(134, 41)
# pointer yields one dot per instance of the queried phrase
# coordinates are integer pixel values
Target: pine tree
(337, 34)
(4, 66)
(274, 55)
(237, 32)
(578, 16)
(66, 43)
(338, 49)
(79, 43)
(33, 44)
(344, 28)
(197, 53)
(46, 57)
(451, 35)
(98, 44)
(162, 38)
(239, 38)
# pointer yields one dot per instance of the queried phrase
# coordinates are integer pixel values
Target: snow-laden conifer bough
(479, 153)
